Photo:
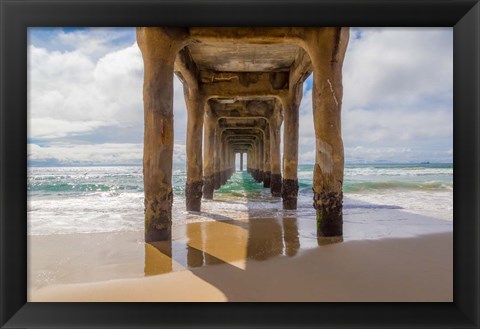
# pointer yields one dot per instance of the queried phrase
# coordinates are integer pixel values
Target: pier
(240, 86)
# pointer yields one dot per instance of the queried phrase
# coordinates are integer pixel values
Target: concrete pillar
(276, 175)
(326, 47)
(223, 162)
(241, 161)
(159, 47)
(254, 160)
(195, 108)
(291, 104)
(227, 161)
(266, 158)
(209, 156)
(232, 161)
(217, 155)
(260, 160)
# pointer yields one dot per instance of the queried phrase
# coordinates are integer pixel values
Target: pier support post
(291, 104)
(209, 155)
(232, 161)
(217, 156)
(326, 47)
(241, 161)
(260, 160)
(261, 155)
(254, 160)
(266, 157)
(159, 47)
(193, 187)
(276, 176)
(223, 162)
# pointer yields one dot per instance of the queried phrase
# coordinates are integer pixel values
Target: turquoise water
(60, 180)
(96, 199)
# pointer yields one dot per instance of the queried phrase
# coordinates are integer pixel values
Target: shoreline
(388, 254)
(395, 269)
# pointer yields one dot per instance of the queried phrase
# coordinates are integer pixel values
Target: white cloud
(74, 95)
(393, 154)
(102, 154)
(396, 125)
(398, 65)
(93, 42)
(70, 87)
(85, 97)
(49, 128)
(397, 96)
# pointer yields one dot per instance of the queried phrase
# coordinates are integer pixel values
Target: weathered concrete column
(261, 156)
(276, 176)
(209, 155)
(266, 157)
(196, 109)
(223, 162)
(217, 156)
(254, 160)
(227, 162)
(326, 47)
(259, 160)
(291, 104)
(241, 161)
(159, 47)
(232, 161)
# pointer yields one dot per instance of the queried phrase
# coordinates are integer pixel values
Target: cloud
(85, 97)
(398, 65)
(93, 154)
(394, 154)
(398, 96)
(93, 42)
(74, 94)
(70, 87)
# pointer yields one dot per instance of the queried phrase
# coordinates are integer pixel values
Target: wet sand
(261, 259)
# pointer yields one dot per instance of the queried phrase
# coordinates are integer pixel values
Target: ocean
(65, 200)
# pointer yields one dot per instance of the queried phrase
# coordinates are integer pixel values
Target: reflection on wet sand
(225, 241)
(158, 258)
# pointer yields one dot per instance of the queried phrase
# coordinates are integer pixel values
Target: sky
(85, 94)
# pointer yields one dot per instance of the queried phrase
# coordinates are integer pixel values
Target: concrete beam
(186, 69)
(301, 68)
(259, 35)
(245, 85)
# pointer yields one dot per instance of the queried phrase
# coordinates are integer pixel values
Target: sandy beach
(257, 260)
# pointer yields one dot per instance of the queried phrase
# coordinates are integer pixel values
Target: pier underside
(241, 85)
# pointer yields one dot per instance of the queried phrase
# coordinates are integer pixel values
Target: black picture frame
(17, 15)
